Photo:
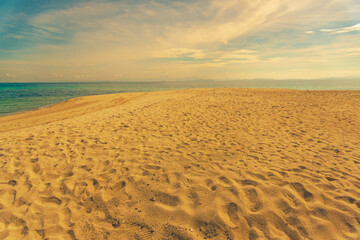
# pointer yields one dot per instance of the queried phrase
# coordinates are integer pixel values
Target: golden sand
(190, 164)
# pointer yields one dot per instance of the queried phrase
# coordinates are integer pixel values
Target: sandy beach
(187, 164)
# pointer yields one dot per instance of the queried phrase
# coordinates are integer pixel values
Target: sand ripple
(195, 164)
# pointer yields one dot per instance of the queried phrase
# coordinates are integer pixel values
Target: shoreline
(329, 84)
(54, 104)
(76, 105)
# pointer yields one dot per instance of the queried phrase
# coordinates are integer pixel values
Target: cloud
(82, 76)
(57, 75)
(7, 51)
(194, 24)
(97, 40)
(176, 53)
(9, 76)
(178, 24)
(342, 30)
(12, 35)
(352, 51)
(277, 59)
(199, 56)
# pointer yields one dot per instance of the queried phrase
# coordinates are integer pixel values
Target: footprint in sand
(174, 233)
(166, 199)
(253, 197)
(232, 210)
(152, 167)
(225, 180)
(285, 207)
(308, 196)
(213, 229)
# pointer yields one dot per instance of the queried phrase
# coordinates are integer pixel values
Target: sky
(137, 40)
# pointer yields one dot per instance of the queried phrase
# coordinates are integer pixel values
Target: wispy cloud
(228, 56)
(342, 30)
(7, 51)
(85, 40)
(82, 76)
(12, 35)
(179, 24)
(8, 76)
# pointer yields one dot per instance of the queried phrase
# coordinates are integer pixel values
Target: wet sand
(188, 164)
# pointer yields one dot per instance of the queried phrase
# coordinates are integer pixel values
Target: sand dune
(189, 164)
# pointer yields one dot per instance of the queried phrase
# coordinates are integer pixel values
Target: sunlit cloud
(82, 76)
(342, 30)
(179, 54)
(8, 76)
(111, 40)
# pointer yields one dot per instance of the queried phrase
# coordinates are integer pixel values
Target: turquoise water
(18, 97)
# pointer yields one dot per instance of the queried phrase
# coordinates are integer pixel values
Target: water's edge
(23, 97)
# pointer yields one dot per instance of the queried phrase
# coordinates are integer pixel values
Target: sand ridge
(188, 164)
(71, 108)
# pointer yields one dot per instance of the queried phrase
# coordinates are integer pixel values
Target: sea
(20, 97)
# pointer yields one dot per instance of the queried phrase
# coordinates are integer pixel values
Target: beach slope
(188, 164)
